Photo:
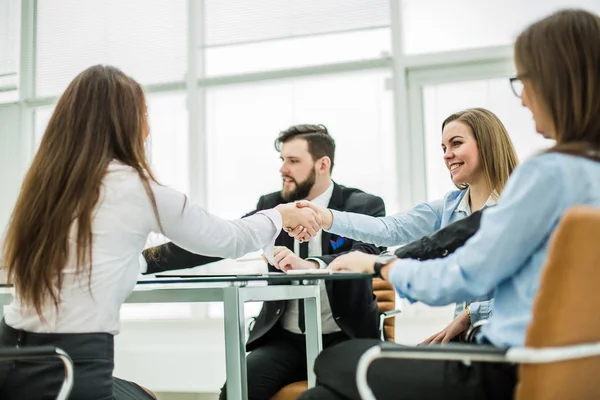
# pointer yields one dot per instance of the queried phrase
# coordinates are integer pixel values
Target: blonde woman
(480, 157)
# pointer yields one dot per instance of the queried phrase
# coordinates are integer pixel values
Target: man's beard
(301, 190)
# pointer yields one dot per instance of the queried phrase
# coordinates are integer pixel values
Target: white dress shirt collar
(463, 206)
(324, 198)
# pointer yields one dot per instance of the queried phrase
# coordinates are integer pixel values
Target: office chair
(40, 352)
(561, 356)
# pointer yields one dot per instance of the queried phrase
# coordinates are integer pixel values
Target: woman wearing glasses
(557, 59)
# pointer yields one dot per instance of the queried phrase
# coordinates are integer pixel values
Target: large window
(168, 141)
(41, 118)
(442, 25)
(441, 100)
(145, 38)
(10, 151)
(244, 120)
(265, 65)
(274, 34)
(298, 52)
(167, 144)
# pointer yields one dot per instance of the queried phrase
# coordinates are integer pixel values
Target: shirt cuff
(277, 221)
(321, 263)
(479, 311)
(397, 277)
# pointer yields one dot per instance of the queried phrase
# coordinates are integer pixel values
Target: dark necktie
(304, 256)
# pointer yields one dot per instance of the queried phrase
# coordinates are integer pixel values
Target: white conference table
(234, 291)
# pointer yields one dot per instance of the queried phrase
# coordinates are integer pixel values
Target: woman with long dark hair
(86, 207)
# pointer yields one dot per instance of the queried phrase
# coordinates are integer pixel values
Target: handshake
(303, 220)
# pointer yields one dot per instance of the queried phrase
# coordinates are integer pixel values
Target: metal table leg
(314, 337)
(235, 352)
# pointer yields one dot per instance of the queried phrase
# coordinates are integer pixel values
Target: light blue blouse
(403, 228)
(506, 255)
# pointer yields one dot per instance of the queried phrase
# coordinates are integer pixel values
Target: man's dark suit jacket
(353, 304)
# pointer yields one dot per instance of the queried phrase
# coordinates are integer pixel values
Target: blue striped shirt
(508, 252)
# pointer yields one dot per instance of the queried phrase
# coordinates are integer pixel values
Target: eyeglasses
(516, 84)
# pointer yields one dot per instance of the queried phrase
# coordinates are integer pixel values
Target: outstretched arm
(198, 231)
(374, 207)
(170, 257)
(393, 230)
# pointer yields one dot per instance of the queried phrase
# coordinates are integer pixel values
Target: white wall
(172, 356)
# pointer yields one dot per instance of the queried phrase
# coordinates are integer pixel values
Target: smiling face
(461, 154)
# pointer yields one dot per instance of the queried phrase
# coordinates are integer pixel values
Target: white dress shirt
(121, 222)
(315, 249)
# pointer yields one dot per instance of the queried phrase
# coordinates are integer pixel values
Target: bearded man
(277, 342)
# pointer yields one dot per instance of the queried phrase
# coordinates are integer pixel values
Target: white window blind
(9, 45)
(244, 36)
(147, 39)
(239, 21)
(298, 52)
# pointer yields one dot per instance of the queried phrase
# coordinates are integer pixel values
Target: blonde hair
(496, 151)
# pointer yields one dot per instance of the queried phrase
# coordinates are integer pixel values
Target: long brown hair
(560, 55)
(101, 117)
(496, 151)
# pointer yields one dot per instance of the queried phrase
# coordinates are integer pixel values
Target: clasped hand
(299, 232)
(304, 221)
(351, 262)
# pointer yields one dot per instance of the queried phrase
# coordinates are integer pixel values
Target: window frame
(409, 74)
